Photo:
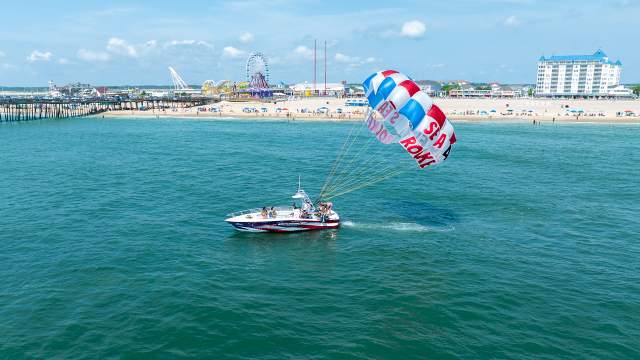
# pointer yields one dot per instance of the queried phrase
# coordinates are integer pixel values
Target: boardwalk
(18, 109)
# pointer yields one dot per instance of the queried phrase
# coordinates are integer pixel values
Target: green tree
(636, 89)
(449, 87)
(530, 92)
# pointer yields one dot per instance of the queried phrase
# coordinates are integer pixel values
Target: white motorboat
(303, 215)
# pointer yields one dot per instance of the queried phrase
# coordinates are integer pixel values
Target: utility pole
(325, 68)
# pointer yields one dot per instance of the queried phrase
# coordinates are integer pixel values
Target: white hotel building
(577, 75)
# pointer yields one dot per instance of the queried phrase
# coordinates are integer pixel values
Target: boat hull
(284, 226)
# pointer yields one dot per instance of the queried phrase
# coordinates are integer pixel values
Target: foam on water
(396, 226)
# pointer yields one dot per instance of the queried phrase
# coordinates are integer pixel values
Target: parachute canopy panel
(406, 115)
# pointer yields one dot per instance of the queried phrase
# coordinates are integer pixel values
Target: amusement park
(258, 84)
(255, 84)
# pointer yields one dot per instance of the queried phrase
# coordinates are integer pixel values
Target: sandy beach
(588, 111)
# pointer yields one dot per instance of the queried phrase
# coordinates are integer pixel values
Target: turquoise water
(524, 245)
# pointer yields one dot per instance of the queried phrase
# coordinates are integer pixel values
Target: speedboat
(303, 215)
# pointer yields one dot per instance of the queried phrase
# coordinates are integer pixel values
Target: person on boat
(296, 211)
(274, 213)
(306, 206)
(264, 212)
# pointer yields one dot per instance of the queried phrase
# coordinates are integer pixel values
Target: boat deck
(282, 214)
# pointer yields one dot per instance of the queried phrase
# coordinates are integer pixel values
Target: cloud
(303, 51)
(121, 47)
(113, 12)
(151, 44)
(353, 61)
(275, 60)
(246, 38)
(344, 58)
(189, 42)
(232, 52)
(88, 55)
(63, 61)
(179, 43)
(626, 3)
(413, 29)
(511, 21)
(39, 56)
(6, 66)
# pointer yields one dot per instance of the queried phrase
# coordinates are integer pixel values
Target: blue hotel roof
(597, 56)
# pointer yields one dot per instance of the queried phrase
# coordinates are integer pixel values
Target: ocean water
(112, 245)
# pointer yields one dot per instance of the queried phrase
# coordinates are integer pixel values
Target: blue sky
(133, 42)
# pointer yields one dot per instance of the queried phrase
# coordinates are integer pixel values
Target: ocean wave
(397, 226)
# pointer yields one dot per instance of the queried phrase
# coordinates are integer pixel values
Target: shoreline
(468, 110)
(315, 118)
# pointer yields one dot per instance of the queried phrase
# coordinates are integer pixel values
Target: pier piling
(20, 109)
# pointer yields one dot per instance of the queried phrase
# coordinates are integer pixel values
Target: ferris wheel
(257, 67)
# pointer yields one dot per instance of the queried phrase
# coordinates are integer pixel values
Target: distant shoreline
(471, 110)
(461, 118)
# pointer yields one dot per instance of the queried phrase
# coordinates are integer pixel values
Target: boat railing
(279, 209)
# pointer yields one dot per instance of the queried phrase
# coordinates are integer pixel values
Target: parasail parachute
(400, 114)
(408, 117)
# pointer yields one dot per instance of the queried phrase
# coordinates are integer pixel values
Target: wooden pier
(16, 109)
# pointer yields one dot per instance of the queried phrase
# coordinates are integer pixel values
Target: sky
(133, 42)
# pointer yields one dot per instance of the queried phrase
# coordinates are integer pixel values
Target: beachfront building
(431, 87)
(493, 90)
(468, 91)
(577, 75)
(619, 91)
(319, 89)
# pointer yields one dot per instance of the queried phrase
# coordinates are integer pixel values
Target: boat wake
(397, 226)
